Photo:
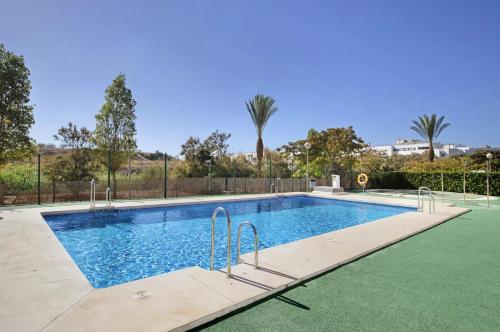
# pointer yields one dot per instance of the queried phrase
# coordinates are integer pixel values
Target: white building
(249, 156)
(407, 147)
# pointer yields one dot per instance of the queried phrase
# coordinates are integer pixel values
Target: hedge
(453, 181)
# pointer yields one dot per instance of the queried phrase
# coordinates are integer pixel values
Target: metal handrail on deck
(108, 197)
(92, 195)
(228, 218)
(420, 200)
(255, 242)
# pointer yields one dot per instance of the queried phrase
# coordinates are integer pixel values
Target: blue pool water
(132, 244)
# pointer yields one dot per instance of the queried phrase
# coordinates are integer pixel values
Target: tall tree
(78, 165)
(16, 116)
(261, 108)
(115, 126)
(73, 138)
(429, 128)
(191, 149)
(216, 143)
(333, 150)
(202, 156)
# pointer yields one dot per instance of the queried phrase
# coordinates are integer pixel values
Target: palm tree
(260, 108)
(429, 129)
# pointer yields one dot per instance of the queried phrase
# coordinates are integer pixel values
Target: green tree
(261, 108)
(280, 166)
(191, 149)
(237, 166)
(16, 116)
(333, 150)
(115, 126)
(216, 143)
(371, 161)
(78, 164)
(202, 157)
(478, 159)
(196, 159)
(429, 128)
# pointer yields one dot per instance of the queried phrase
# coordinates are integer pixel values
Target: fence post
(109, 168)
(210, 182)
(128, 174)
(53, 191)
(38, 182)
(465, 165)
(234, 177)
(270, 175)
(165, 174)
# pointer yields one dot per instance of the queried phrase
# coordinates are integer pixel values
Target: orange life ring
(362, 179)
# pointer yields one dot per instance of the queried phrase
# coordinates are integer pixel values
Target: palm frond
(418, 128)
(429, 127)
(441, 128)
(261, 108)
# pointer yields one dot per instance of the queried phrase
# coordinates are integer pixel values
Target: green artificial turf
(447, 278)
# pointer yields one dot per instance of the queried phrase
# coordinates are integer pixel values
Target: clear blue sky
(375, 65)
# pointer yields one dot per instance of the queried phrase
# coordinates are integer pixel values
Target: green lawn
(447, 278)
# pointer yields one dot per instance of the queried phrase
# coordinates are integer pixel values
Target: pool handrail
(420, 200)
(92, 195)
(255, 242)
(214, 218)
(108, 197)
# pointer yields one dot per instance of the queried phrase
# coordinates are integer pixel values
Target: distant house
(407, 147)
(249, 156)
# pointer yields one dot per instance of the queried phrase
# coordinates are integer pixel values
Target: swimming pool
(114, 248)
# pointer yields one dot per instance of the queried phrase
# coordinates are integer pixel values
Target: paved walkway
(44, 289)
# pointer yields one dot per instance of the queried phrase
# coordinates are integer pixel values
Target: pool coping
(47, 291)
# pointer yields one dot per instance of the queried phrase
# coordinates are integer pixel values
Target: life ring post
(362, 180)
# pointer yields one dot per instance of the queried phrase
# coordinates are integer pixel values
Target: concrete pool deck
(45, 290)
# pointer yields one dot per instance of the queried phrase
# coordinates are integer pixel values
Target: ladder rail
(108, 197)
(92, 194)
(212, 248)
(420, 200)
(255, 242)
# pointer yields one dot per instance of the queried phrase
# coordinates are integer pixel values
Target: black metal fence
(36, 180)
(67, 191)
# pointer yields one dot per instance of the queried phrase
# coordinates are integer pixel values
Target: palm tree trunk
(431, 152)
(260, 153)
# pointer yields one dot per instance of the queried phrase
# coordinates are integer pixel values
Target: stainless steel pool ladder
(255, 242)
(92, 195)
(214, 219)
(420, 200)
(212, 248)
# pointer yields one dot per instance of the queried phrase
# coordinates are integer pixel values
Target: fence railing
(68, 191)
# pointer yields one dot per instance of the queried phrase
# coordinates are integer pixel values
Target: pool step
(326, 189)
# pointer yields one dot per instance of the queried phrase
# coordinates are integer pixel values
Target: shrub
(18, 178)
(154, 172)
(453, 181)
